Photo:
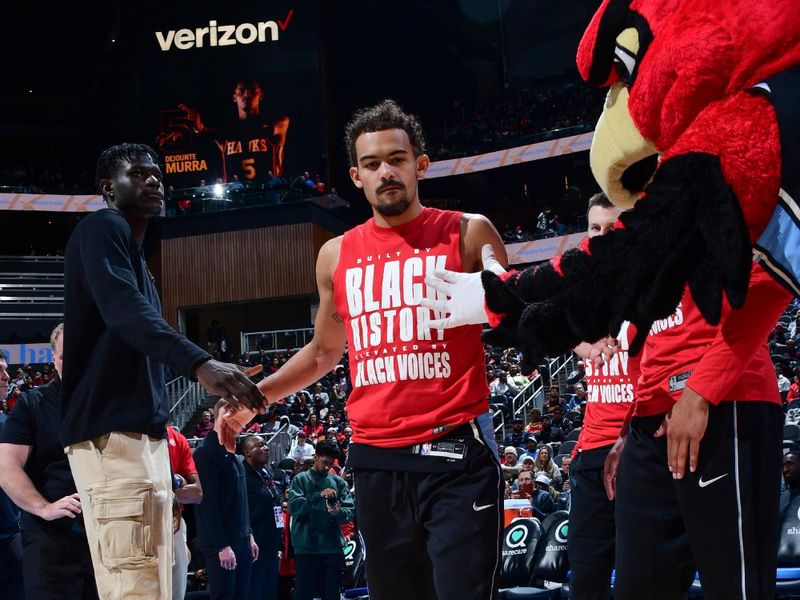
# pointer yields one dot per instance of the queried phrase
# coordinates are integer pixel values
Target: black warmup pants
(721, 520)
(432, 536)
(56, 565)
(264, 574)
(590, 538)
(224, 584)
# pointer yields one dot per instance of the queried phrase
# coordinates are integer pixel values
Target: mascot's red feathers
(702, 122)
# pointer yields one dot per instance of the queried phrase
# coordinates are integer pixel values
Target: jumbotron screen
(232, 91)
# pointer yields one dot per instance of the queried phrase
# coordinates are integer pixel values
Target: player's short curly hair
(387, 114)
(110, 159)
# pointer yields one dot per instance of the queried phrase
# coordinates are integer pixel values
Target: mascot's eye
(625, 64)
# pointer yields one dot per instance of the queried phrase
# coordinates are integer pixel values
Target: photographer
(319, 502)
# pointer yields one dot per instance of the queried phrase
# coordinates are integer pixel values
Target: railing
(273, 341)
(558, 364)
(184, 397)
(530, 397)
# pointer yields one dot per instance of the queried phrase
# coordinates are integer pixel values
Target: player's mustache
(389, 185)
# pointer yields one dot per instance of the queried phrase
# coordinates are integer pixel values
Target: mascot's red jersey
(409, 383)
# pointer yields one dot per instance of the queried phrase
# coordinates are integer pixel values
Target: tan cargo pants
(125, 487)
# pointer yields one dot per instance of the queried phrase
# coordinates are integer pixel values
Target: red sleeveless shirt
(409, 385)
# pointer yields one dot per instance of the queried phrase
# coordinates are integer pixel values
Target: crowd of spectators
(554, 107)
(548, 224)
(34, 161)
(24, 378)
(783, 345)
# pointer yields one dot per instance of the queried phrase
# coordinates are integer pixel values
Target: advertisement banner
(23, 354)
(510, 156)
(52, 202)
(544, 249)
(234, 90)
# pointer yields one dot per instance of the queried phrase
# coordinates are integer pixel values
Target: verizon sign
(223, 35)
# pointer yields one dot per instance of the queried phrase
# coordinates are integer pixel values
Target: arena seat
(518, 552)
(573, 435)
(566, 447)
(533, 553)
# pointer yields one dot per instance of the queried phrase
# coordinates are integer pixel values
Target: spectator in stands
(510, 464)
(341, 378)
(313, 429)
(564, 499)
(565, 464)
(319, 390)
(224, 535)
(531, 449)
(553, 399)
(281, 423)
(338, 396)
(523, 486)
(319, 502)
(549, 433)
(302, 449)
(560, 422)
(534, 426)
(783, 384)
(516, 377)
(542, 500)
(527, 463)
(15, 393)
(264, 500)
(577, 398)
(793, 395)
(204, 426)
(544, 464)
(187, 489)
(517, 436)
(503, 386)
(794, 326)
(791, 479)
(10, 543)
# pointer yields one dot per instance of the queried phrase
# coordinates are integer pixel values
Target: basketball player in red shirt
(610, 387)
(427, 475)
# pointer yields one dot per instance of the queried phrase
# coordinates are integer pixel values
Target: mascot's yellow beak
(622, 161)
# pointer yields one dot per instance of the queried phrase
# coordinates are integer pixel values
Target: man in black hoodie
(114, 407)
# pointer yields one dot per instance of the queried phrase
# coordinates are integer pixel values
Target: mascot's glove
(464, 304)
(688, 229)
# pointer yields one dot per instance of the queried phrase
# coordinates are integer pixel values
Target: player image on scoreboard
(250, 144)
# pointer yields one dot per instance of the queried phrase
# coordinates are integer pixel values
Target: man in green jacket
(319, 502)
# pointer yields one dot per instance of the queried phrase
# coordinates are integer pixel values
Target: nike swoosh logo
(477, 508)
(703, 484)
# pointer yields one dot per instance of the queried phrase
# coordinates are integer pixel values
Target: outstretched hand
(465, 300)
(685, 425)
(600, 352)
(231, 383)
(231, 420)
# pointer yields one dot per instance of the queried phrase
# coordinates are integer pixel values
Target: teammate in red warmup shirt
(427, 475)
(610, 398)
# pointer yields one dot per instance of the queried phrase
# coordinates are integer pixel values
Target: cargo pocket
(124, 514)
